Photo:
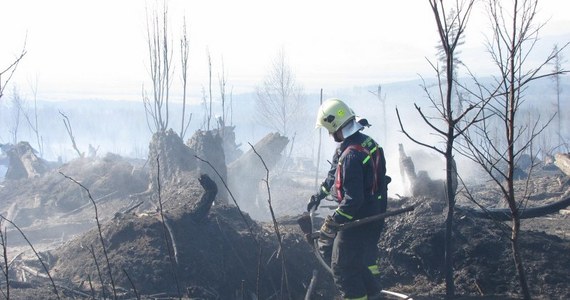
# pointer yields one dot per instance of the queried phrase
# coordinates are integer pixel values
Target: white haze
(89, 61)
(120, 126)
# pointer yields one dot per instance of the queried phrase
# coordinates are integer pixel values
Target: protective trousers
(351, 253)
(370, 251)
(370, 254)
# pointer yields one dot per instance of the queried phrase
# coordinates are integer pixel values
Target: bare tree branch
(160, 69)
(67, 124)
(279, 100)
(9, 71)
(184, 54)
(281, 249)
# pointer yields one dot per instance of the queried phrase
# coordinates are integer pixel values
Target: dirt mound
(412, 247)
(217, 258)
(202, 251)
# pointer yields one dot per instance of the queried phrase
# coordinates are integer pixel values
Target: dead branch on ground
(92, 251)
(98, 229)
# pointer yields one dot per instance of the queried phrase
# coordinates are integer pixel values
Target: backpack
(372, 155)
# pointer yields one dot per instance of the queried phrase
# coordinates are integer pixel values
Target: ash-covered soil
(228, 255)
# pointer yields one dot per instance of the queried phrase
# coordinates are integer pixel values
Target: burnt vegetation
(205, 218)
(176, 238)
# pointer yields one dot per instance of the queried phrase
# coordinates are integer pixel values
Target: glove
(326, 238)
(315, 200)
(329, 229)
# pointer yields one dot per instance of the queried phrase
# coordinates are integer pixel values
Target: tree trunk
(451, 187)
(173, 158)
(246, 172)
(449, 284)
(208, 145)
(518, 259)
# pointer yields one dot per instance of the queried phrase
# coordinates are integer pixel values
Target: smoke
(120, 127)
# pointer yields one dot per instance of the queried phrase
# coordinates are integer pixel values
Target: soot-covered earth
(93, 228)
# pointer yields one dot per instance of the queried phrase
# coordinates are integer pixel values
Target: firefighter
(360, 187)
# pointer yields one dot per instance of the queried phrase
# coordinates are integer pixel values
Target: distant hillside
(121, 127)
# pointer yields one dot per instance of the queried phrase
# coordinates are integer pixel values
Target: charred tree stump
(420, 184)
(24, 163)
(208, 146)
(562, 161)
(407, 169)
(173, 156)
(231, 149)
(245, 173)
(201, 208)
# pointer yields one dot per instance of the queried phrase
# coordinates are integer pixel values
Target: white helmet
(333, 114)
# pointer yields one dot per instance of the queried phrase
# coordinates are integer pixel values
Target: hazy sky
(97, 48)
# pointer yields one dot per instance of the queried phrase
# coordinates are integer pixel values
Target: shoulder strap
(356, 147)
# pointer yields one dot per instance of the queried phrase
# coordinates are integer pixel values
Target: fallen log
(32, 271)
(504, 214)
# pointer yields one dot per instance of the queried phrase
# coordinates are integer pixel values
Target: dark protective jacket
(355, 179)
